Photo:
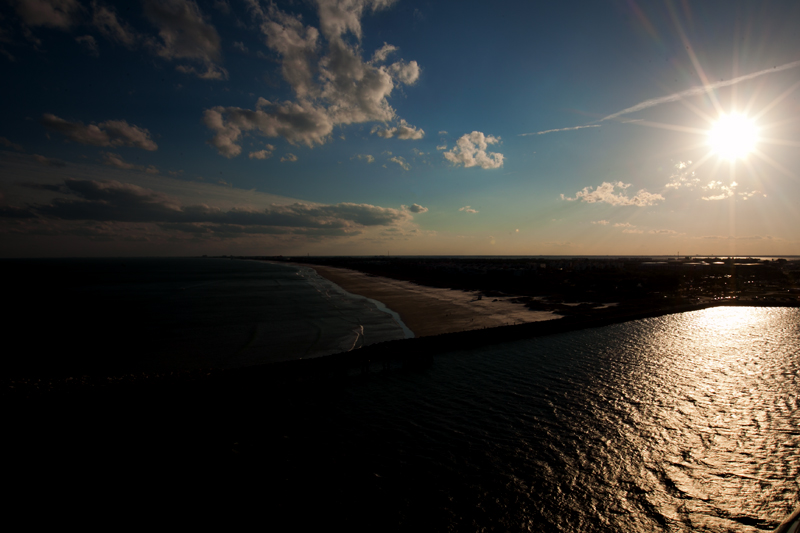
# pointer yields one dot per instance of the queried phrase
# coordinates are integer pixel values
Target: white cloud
(624, 225)
(470, 151)
(600, 222)
(468, 209)
(415, 208)
(291, 158)
(364, 157)
(723, 191)
(383, 52)
(332, 84)
(663, 232)
(262, 154)
(442, 132)
(631, 230)
(402, 131)
(400, 161)
(442, 147)
(185, 35)
(605, 193)
(108, 133)
(682, 176)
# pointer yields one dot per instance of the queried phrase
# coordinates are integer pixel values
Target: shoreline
(429, 311)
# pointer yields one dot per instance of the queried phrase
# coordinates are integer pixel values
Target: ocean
(685, 422)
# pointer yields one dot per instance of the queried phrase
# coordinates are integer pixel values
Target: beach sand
(430, 310)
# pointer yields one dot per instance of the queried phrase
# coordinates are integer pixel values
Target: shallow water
(686, 422)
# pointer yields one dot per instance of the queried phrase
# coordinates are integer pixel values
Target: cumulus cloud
(624, 225)
(48, 13)
(331, 82)
(263, 154)
(470, 151)
(185, 35)
(402, 131)
(108, 133)
(113, 201)
(364, 157)
(291, 158)
(415, 208)
(400, 161)
(468, 209)
(601, 222)
(606, 193)
(682, 176)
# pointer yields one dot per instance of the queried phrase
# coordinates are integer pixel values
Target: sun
(733, 136)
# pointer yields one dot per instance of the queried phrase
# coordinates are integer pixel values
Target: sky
(374, 127)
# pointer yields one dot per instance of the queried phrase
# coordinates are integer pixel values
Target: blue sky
(366, 127)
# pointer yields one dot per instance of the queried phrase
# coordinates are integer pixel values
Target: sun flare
(733, 136)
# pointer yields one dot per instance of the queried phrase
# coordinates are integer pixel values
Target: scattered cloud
(60, 14)
(108, 133)
(48, 161)
(632, 230)
(331, 82)
(116, 202)
(402, 131)
(8, 144)
(90, 43)
(560, 129)
(624, 225)
(442, 132)
(291, 158)
(115, 160)
(105, 20)
(683, 176)
(400, 161)
(470, 151)
(262, 154)
(468, 209)
(663, 232)
(415, 208)
(364, 157)
(605, 193)
(185, 35)
(601, 222)
(442, 147)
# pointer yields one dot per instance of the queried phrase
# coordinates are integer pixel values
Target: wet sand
(430, 310)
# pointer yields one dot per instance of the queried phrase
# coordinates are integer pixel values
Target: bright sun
(733, 136)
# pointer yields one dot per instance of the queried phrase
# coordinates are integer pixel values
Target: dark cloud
(49, 161)
(185, 35)
(108, 133)
(112, 201)
(49, 13)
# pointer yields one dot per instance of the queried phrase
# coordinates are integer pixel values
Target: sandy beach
(430, 310)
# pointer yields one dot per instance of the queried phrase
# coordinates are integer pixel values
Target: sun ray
(776, 101)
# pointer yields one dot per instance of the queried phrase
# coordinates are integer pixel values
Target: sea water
(681, 423)
(183, 313)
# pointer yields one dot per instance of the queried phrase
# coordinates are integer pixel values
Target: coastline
(429, 311)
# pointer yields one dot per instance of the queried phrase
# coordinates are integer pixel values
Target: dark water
(687, 422)
(116, 315)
